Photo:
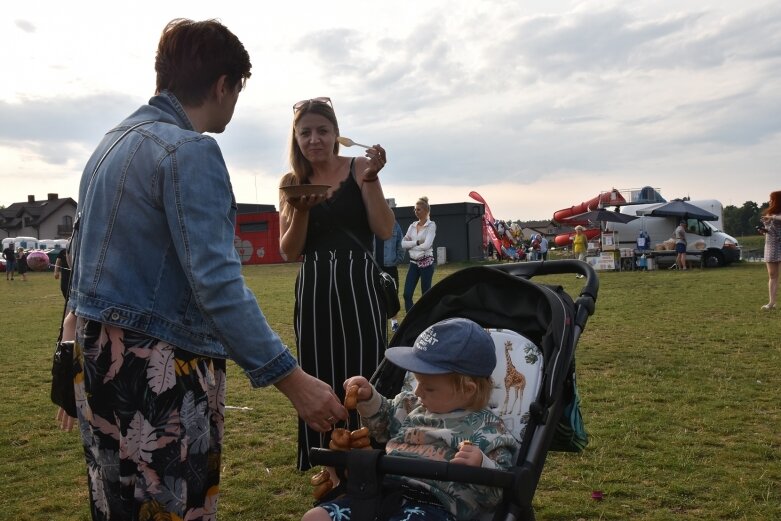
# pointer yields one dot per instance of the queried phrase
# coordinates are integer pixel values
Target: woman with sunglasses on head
(340, 320)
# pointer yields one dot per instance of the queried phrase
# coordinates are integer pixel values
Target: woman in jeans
(419, 240)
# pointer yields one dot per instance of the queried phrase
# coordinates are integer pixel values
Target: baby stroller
(536, 328)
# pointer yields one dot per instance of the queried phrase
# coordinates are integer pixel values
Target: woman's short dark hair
(191, 56)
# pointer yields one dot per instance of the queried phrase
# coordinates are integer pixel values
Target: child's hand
(364, 389)
(468, 454)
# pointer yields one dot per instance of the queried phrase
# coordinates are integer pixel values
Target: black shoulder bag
(62, 390)
(389, 289)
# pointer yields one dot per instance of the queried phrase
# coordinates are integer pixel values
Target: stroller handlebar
(418, 468)
(527, 270)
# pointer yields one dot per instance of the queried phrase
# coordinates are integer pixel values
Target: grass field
(679, 375)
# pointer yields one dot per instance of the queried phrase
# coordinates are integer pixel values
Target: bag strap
(109, 149)
(76, 244)
(100, 162)
(350, 234)
(64, 312)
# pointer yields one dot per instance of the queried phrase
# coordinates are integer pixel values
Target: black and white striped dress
(339, 317)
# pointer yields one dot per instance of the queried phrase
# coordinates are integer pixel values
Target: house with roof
(50, 218)
(545, 228)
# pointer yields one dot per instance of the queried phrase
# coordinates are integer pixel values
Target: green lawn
(678, 373)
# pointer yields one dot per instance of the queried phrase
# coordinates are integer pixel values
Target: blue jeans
(413, 275)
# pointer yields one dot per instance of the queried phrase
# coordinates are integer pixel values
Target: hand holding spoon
(346, 141)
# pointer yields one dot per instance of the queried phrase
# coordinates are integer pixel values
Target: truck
(717, 248)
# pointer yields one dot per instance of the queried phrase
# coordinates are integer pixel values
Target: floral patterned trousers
(151, 420)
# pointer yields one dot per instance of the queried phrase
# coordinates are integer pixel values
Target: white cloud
(535, 105)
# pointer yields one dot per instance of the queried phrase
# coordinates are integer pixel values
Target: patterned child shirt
(409, 429)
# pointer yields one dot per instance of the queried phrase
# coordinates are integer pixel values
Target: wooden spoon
(346, 141)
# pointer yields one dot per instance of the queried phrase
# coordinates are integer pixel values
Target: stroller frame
(495, 296)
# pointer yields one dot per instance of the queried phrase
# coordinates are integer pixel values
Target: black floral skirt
(151, 420)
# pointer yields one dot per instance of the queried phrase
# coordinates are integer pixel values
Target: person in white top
(419, 241)
(680, 245)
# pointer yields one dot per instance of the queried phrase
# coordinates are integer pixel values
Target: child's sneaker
(394, 325)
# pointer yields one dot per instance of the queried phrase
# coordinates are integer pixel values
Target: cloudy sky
(536, 105)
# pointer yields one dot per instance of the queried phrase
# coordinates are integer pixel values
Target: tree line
(742, 220)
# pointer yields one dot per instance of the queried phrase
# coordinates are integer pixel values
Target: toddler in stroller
(535, 329)
(444, 418)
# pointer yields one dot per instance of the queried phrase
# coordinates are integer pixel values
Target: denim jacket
(154, 245)
(392, 252)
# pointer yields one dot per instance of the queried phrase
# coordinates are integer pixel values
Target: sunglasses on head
(305, 102)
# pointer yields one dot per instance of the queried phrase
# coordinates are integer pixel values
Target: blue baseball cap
(454, 345)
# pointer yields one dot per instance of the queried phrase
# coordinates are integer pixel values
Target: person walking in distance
(580, 245)
(9, 254)
(771, 222)
(680, 245)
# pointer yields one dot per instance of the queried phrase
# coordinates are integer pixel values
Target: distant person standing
(21, 263)
(771, 218)
(579, 245)
(535, 247)
(680, 245)
(62, 271)
(9, 254)
(419, 241)
(543, 247)
(390, 254)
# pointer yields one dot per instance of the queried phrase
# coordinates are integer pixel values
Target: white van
(28, 243)
(719, 249)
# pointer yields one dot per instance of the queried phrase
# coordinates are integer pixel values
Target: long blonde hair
(301, 168)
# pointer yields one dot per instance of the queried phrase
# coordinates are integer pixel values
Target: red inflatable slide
(613, 197)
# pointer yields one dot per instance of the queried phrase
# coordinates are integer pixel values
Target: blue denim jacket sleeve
(201, 221)
(399, 250)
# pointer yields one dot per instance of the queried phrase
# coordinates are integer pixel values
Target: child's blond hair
(483, 387)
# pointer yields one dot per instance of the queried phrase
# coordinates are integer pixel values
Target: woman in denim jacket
(390, 254)
(159, 297)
